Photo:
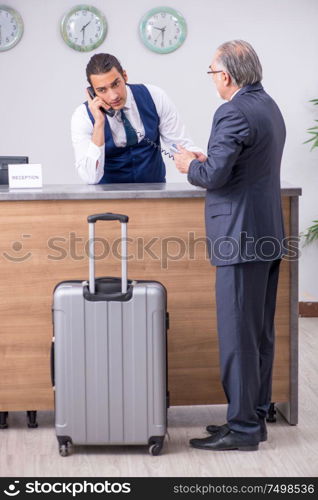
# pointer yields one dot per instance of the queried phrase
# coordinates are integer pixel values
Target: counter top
(115, 191)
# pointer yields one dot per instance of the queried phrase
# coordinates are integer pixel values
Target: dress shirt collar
(234, 94)
(253, 87)
(129, 98)
(128, 103)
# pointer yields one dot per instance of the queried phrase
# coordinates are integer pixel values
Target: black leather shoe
(225, 439)
(263, 433)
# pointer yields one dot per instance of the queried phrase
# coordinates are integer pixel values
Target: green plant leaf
(312, 233)
(309, 140)
(313, 131)
(315, 145)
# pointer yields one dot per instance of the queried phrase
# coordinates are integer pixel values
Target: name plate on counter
(26, 175)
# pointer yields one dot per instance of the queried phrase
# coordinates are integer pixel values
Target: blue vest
(143, 161)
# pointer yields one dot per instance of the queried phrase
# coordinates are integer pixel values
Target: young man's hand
(94, 107)
(98, 136)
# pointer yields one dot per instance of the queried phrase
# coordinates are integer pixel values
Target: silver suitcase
(109, 358)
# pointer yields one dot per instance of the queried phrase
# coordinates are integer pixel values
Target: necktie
(130, 132)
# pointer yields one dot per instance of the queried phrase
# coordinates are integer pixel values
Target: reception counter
(44, 240)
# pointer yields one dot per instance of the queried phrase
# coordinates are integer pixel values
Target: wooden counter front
(43, 243)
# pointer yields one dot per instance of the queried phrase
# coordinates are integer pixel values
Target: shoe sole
(248, 448)
(239, 448)
(262, 439)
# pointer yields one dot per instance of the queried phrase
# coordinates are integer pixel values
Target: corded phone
(111, 112)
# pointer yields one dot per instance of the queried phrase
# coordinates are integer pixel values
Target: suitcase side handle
(52, 363)
(91, 225)
(107, 216)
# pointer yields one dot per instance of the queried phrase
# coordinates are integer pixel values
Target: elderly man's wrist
(193, 164)
(189, 171)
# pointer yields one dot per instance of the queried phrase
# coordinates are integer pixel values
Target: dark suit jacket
(243, 210)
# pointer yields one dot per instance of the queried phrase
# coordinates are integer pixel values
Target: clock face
(11, 28)
(163, 30)
(84, 28)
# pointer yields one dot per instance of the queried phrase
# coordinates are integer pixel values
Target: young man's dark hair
(102, 63)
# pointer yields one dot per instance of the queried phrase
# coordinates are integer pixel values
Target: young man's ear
(125, 76)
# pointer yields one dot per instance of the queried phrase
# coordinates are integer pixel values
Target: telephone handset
(109, 112)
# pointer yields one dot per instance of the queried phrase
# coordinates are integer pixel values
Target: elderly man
(245, 231)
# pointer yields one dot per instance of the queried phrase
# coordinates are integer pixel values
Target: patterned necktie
(131, 135)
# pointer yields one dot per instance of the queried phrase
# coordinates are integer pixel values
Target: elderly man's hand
(183, 159)
(200, 156)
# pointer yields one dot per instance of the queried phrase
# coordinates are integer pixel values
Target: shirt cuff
(195, 150)
(94, 151)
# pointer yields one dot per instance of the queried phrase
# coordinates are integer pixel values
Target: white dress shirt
(89, 158)
(234, 94)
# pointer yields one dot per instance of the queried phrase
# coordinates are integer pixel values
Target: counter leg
(32, 423)
(3, 419)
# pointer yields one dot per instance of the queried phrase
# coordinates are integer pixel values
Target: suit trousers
(246, 301)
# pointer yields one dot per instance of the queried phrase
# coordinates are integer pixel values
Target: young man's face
(111, 88)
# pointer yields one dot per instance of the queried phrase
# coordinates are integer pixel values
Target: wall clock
(163, 29)
(11, 27)
(84, 28)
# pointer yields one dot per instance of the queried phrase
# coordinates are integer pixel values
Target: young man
(124, 147)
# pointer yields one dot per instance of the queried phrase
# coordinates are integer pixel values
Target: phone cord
(153, 144)
(149, 141)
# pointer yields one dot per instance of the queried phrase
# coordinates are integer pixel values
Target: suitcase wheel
(155, 445)
(155, 449)
(65, 449)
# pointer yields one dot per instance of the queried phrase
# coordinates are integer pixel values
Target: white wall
(43, 80)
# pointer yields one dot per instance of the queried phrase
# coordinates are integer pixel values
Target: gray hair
(240, 60)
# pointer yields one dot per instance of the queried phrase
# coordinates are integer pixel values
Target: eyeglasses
(211, 72)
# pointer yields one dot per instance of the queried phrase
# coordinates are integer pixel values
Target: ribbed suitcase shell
(110, 366)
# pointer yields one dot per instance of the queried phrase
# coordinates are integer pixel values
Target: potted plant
(312, 231)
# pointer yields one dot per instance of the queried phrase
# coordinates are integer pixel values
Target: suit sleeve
(230, 132)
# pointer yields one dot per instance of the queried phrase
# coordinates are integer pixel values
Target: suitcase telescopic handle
(108, 216)
(123, 219)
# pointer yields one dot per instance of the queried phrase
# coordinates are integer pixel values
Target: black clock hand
(83, 29)
(163, 35)
(157, 37)
(85, 25)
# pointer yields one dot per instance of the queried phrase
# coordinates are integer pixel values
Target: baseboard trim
(308, 309)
